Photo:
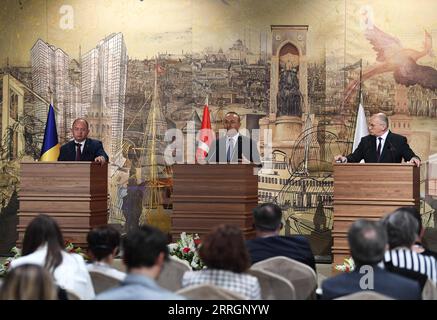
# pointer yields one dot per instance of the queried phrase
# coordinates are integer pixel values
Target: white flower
(347, 266)
(184, 240)
(172, 247)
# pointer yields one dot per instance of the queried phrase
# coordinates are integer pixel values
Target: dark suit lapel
(372, 151)
(86, 148)
(72, 150)
(238, 149)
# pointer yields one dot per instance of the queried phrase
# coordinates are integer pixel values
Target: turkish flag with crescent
(206, 135)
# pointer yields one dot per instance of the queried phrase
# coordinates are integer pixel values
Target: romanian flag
(50, 146)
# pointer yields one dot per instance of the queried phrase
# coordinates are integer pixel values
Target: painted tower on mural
(288, 86)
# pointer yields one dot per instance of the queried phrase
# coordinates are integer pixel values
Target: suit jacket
(138, 287)
(395, 149)
(91, 150)
(296, 248)
(244, 147)
(385, 282)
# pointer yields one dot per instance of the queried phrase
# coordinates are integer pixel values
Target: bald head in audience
(367, 242)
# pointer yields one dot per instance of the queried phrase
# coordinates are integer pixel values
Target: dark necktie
(78, 152)
(230, 149)
(378, 150)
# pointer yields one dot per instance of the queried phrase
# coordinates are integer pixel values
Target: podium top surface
(62, 162)
(375, 164)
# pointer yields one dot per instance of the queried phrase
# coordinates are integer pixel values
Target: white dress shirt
(384, 137)
(71, 275)
(234, 140)
(81, 147)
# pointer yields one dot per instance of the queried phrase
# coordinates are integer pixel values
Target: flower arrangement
(186, 250)
(347, 266)
(4, 267)
(69, 247)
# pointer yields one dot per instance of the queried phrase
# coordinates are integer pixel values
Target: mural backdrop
(137, 68)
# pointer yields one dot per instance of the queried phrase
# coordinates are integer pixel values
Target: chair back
(365, 295)
(273, 286)
(172, 273)
(72, 296)
(102, 282)
(429, 291)
(209, 292)
(119, 265)
(302, 277)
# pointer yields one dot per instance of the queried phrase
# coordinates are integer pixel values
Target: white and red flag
(205, 135)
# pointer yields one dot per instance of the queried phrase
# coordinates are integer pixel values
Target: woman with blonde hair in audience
(224, 253)
(43, 245)
(28, 282)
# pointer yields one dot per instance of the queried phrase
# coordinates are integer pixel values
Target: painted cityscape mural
(299, 68)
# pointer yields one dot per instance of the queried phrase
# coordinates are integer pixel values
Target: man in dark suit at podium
(234, 147)
(82, 148)
(381, 145)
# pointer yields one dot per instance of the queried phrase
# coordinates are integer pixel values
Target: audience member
(28, 282)
(144, 253)
(268, 243)
(368, 242)
(43, 245)
(103, 245)
(402, 233)
(225, 255)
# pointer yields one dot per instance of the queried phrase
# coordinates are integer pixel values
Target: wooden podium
(205, 196)
(369, 191)
(74, 193)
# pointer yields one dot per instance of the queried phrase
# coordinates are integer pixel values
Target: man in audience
(367, 242)
(402, 229)
(268, 243)
(144, 253)
(419, 246)
(103, 243)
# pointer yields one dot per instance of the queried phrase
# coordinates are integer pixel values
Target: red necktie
(78, 152)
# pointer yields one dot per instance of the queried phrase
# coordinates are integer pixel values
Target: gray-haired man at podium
(381, 145)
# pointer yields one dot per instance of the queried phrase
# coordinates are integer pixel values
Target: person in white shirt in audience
(224, 253)
(103, 245)
(43, 245)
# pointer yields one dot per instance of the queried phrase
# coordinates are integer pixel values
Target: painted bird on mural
(391, 56)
